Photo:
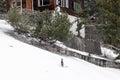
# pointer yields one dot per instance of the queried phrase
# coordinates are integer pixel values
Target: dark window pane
(59, 2)
(46, 2)
(41, 2)
(18, 3)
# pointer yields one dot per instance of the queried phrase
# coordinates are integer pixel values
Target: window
(43, 2)
(77, 7)
(18, 4)
(59, 2)
(63, 3)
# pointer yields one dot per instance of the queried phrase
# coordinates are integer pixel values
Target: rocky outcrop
(89, 43)
(92, 39)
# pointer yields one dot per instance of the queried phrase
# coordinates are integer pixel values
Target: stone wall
(92, 40)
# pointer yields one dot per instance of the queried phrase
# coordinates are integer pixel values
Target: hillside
(20, 61)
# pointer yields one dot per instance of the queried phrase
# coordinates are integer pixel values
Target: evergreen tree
(14, 17)
(20, 22)
(61, 27)
(43, 22)
(54, 27)
(79, 26)
(109, 11)
(91, 8)
(3, 5)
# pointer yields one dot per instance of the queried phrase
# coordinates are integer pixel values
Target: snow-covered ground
(20, 61)
(108, 53)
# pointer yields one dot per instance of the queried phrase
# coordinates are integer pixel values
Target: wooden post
(21, 5)
(32, 6)
(62, 63)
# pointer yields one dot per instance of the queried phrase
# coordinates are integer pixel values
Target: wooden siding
(53, 3)
(29, 4)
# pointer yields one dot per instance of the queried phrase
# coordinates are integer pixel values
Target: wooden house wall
(28, 4)
(79, 1)
(53, 3)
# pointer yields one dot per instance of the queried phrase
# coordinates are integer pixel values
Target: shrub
(14, 17)
(61, 27)
(54, 27)
(21, 22)
(43, 22)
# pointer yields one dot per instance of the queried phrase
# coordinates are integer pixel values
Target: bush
(3, 6)
(20, 22)
(43, 22)
(61, 27)
(54, 27)
(24, 23)
(14, 17)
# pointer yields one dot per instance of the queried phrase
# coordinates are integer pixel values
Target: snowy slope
(20, 61)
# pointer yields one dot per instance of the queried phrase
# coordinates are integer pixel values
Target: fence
(96, 61)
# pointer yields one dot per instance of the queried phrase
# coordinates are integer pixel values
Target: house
(70, 6)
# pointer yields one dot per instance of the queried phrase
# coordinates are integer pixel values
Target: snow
(57, 9)
(110, 54)
(20, 61)
(74, 26)
(82, 31)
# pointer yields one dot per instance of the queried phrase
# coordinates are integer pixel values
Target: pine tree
(20, 22)
(3, 5)
(14, 17)
(109, 11)
(43, 22)
(54, 27)
(61, 27)
(79, 26)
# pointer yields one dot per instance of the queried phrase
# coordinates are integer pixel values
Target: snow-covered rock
(110, 54)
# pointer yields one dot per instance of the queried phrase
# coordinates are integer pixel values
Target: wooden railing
(97, 61)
